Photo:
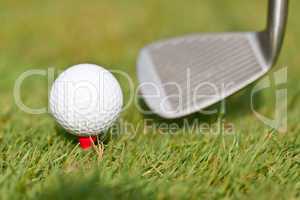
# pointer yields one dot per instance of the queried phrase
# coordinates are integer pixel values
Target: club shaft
(276, 25)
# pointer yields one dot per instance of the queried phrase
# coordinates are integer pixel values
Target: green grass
(38, 160)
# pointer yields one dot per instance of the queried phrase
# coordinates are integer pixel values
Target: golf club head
(183, 75)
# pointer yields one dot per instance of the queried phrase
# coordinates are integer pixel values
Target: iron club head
(183, 75)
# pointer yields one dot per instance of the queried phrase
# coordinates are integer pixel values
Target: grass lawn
(39, 160)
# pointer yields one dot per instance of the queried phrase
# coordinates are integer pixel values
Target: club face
(184, 75)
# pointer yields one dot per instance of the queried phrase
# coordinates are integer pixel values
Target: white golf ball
(86, 100)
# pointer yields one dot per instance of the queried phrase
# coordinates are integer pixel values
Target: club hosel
(276, 24)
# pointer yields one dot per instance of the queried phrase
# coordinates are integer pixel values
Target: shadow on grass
(65, 135)
(239, 104)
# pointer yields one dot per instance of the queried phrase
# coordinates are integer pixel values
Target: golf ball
(86, 99)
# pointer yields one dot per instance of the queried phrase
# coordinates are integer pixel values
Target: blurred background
(38, 34)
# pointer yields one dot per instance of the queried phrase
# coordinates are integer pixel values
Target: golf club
(187, 74)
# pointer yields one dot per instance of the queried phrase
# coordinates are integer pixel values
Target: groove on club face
(183, 75)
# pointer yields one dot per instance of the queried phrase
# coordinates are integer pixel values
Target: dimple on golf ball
(86, 99)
